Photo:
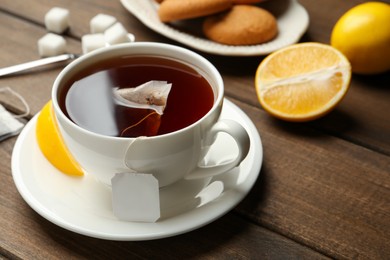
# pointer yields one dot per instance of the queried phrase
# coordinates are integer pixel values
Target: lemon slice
(52, 145)
(302, 82)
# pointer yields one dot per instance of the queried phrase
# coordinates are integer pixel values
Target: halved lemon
(302, 82)
(52, 145)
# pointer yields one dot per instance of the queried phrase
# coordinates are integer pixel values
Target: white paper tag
(9, 126)
(135, 197)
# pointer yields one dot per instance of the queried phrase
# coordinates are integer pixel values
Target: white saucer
(83, 205)
(292, 19)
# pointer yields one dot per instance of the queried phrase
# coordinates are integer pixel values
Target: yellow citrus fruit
(51, 144)
(302, 82)
(363, 35)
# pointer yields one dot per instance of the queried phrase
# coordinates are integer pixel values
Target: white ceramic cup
(169, 157)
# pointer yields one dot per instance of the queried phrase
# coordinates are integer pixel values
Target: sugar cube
(135, 197)
(90, 42)
(51, 44)
(57, 20)
(101, 22)
(116, 34)
(131, 37)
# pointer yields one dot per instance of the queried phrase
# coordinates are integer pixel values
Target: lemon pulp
(302, 82)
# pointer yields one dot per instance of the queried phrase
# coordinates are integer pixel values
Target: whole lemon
(362, 34)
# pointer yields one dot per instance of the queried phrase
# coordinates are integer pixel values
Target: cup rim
(206, 65)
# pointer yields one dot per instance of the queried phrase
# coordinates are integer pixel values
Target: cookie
(241, 25)
(172, 10)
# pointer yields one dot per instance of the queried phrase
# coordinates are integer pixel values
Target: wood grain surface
(324, 186)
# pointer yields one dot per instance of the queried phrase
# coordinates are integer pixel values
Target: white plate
(83, 205)
(292, 18)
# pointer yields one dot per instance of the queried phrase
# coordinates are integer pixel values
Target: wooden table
(324, 186)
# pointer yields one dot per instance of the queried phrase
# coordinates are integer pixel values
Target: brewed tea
(88, 101)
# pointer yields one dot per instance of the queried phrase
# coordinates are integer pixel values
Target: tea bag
(151, 99)
(150, 95)
(9, 125)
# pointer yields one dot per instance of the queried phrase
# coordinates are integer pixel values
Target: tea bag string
(136, 124)
(20, 97)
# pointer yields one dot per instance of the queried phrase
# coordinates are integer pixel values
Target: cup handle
(239, 134)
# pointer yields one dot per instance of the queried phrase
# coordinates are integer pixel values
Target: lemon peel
(52, 145)
(362, 34)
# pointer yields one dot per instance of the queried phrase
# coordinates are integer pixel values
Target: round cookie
(241, 25)
(171, 10)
